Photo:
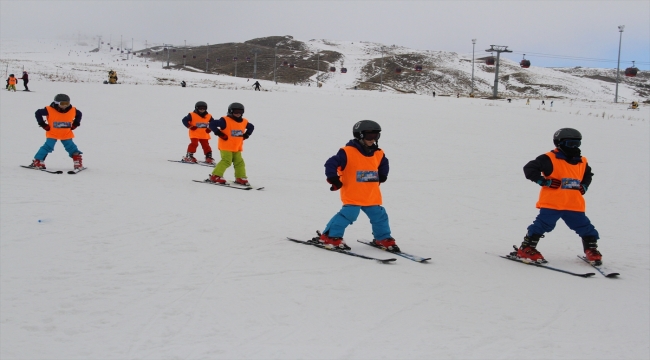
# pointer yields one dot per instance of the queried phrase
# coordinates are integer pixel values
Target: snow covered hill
(131, 259)
(446, 73)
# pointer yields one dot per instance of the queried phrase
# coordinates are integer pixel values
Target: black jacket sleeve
(586, 178)
(535, 168)
(77, 119)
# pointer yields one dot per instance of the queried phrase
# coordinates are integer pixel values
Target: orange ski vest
(60, 123)
(13, 81)
(201, 124)
(235, 131)
(360, 178)
(566, 197)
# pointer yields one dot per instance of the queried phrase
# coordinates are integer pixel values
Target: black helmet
(61, 97)
(235, 106)
(566, 133)
(200, 104)
(365, 126)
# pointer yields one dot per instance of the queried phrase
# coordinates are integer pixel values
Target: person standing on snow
(357, 170)
(58, 120)
(11, 83)
(197, 123)
(25, 80)
(257, 86)
(232, 130)
(564, 176)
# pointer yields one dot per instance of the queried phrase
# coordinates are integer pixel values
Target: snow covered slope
(131, 259)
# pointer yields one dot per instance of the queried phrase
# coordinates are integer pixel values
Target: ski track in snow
(134, 260)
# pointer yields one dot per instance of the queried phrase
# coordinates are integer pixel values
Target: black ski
(202, 163)
(231, 185)
(43, 170)
(319, 245)
(402, 254)
(77, 171)
(544, 266)
(601, 268)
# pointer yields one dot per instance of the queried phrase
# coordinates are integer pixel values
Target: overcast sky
(576, 31)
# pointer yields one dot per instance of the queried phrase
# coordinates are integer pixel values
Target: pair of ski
(317, 244)
(600, 268)
(230, 184)
(71, 172)
(202, 163)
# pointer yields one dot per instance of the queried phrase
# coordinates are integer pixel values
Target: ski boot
(216, 179)
(189, 158)
(242, 181)
(209, 159)
(38, 164)
(592, 254)
(332, 242)
(387, 244)
(528, 249)
(76, 159)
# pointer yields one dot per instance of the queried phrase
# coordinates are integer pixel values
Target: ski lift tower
(255, 51)
(498, 49)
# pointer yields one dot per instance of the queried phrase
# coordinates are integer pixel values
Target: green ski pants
(228, 158)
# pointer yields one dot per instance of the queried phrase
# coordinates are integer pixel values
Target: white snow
(133, 260)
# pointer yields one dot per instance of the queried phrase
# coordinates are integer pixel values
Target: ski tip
(588, 275)
(613, 275)
(386, 261)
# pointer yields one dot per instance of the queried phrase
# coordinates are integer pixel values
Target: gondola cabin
(418, 68)
(248, 59)
(292, 65)
(285, 63)
(398, 70)
(344, 70)
(490, 61)
(332, 69)
(193, 56)
(234, 58)
(631, 71)
(524, 63)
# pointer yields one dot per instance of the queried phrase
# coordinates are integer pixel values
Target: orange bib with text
(361, 178)
(60, 123)
(567, 196)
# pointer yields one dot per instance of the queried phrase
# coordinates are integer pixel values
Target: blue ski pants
(48, 147)
(349, 214)
(575, 220)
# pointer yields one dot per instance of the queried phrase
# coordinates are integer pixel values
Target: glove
(336, 183)
(552, 183)
(192, 127)
(246, 136)
(222, 135)
(74, 126)
(382, 178)
(208, 130)
(46, 127)
(582, 189)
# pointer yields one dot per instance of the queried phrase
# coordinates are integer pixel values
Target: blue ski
(601, 268)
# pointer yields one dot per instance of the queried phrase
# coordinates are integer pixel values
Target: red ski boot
(209, 159)
(528, 249)
(38, 164)
(387, 244)
(77, 161)
(189, 158)
(242, 181)
(332, 242)
(216, 179)
(591, 250)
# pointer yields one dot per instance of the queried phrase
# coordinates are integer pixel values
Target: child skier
(564, 176)
(197, 123)
(11, 82)
(232, 130)
(357, 170)
(58, 120)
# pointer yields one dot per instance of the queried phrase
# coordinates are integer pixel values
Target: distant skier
(551, 103)
(25, 80)
(543, 103)
(232, 130)
(11, 83)
(434, 94)
(58, 120)
(564, 176)
(112, 77)
(257, 86)
(527, 101)
(183, 83)
(199, 132)
(357, 170)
